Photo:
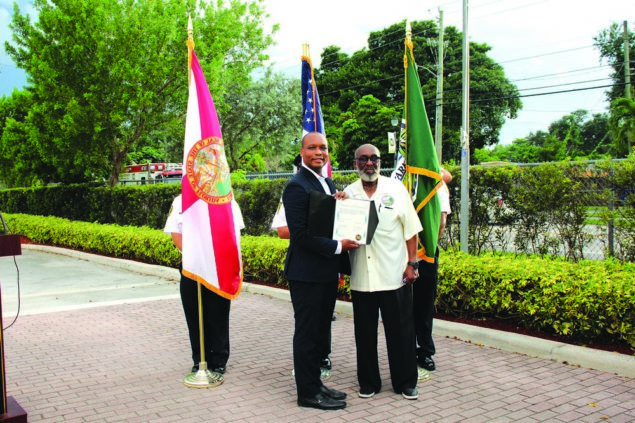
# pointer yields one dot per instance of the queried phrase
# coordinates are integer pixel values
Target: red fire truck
(172, 175)
(147, 173)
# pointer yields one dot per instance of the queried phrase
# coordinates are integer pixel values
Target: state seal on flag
(208, 172)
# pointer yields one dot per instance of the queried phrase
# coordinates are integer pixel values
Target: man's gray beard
(368, 178)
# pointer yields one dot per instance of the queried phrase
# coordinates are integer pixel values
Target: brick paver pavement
(125, 363)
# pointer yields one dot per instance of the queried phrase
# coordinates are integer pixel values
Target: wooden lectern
(10, 410)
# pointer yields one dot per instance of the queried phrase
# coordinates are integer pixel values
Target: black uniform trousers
(215, 323)
(424, 298)
(313, 306)
(396, 314)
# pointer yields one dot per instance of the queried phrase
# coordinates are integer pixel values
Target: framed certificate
(342, 219)
(351, 220)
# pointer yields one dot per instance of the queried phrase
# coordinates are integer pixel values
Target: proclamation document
(352, 220)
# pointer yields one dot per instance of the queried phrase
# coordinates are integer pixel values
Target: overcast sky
(531, 39)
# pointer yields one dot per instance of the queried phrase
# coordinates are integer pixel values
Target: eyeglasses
(364, 159)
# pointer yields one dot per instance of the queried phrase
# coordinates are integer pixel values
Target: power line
(561, 73)
(546, 54)
(541, 94)
(564, 84)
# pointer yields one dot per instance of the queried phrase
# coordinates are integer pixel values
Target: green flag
(423, 173)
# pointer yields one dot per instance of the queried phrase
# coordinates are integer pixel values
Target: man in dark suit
(312, 266)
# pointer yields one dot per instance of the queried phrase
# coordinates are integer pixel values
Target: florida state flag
(211, 219)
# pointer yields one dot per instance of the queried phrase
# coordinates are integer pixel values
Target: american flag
(311, 111)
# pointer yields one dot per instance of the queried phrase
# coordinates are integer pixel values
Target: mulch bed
(508, 326)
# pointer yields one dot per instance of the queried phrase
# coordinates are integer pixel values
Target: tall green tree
(107, 73)
(20, 163)
(263, 119)
(366, 122)
(610, 43)
(378, 71)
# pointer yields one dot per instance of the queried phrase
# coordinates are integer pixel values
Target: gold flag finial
(305, 50)
(408, 42)
(190, 43)
(190, 33)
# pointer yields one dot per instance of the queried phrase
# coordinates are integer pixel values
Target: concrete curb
(605, 361)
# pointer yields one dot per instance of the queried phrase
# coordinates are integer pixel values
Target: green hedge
(585, 301)
(549, 209)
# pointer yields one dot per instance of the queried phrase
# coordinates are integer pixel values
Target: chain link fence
(575, 210)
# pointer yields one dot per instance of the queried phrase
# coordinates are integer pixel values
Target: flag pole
(203, 378)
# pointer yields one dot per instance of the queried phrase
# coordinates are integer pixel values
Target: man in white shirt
(381, 276)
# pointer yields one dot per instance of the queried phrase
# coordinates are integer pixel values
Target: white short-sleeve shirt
(174, 222)
(379, 266)
(444, 198)
(279, 219)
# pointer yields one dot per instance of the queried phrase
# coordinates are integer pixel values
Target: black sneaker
(325, 363)
(366, 393)
(410, 393)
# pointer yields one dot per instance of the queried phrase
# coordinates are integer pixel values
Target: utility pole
(465, 137)
(438, 122)
(627, 77)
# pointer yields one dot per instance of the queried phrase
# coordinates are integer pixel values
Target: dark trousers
(215, 323)
(424, 298)
(313, 305)
(396, 315)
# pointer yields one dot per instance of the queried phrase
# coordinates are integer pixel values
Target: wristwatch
(414, 264)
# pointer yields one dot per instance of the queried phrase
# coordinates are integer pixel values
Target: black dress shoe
(325, 363)
(427, 363)
(219, 369)
(337, 395)
(321, 402)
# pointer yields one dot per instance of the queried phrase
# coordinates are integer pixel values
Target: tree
(366, 122)
(105, 74)
(574, 136)
(521, 150)
(596, 136)
(610, 43)
(583, 134)
(19, 159)
(261, 120)
(378, 71)
(622, 122)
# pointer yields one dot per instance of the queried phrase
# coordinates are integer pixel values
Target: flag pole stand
(203, 378)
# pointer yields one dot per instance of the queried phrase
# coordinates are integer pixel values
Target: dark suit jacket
(309, 258)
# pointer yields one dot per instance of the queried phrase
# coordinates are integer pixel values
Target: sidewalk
(119, 355)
